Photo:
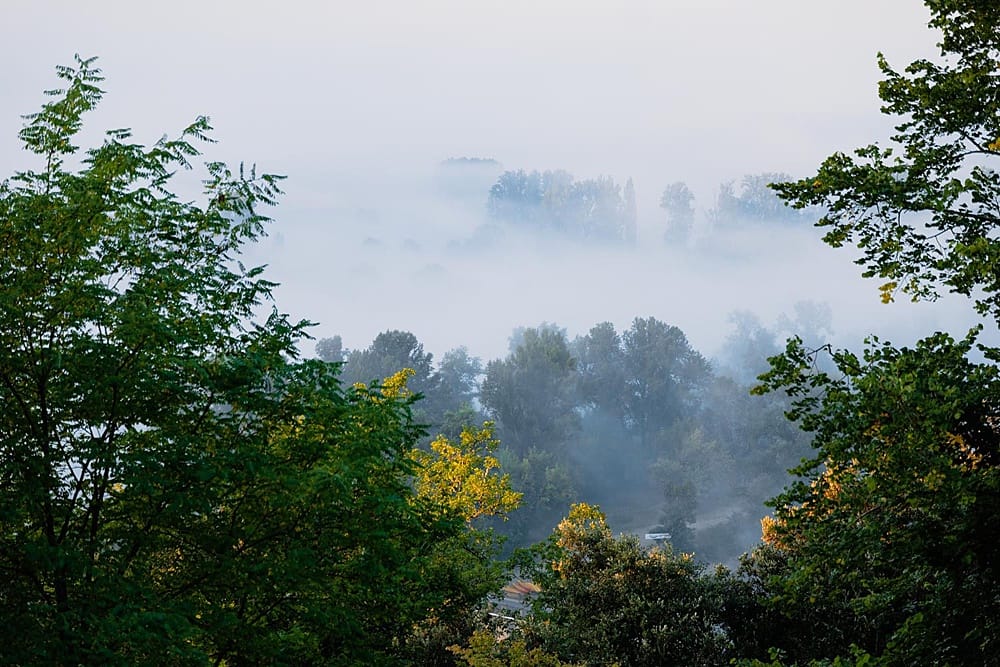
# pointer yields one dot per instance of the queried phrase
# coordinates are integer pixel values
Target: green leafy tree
(460, 375)
(601, 369)
(923, 212)
(900, 503)
(532, 393)
(391, 352)
(174, 487)
(549, 483)
(456, 396)
(665, 376)
(461, 478)
(121, 312)
(890, 532)
(606, 600)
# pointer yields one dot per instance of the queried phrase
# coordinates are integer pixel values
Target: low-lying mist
(436, 266)
(425, 258)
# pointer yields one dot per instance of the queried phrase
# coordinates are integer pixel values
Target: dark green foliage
(389, 353)
(549, 485)
(894, 527)
(447, 393)
(605, 600)
(648, 378)
(655, 438)
(665, 376)
(121, 310)
(460, 374)
(174, 487)
(601, 368)
(457, 390)
(892, 531)
(532, 393)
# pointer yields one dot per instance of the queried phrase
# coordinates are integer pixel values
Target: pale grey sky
(350, 98)
(656, 86)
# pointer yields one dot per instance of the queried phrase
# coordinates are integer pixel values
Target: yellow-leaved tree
(456, 482)
(464, 477)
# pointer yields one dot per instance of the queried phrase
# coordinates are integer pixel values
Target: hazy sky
(352, 99)
(660, 86)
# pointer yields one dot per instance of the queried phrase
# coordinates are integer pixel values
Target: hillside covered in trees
(637, 422)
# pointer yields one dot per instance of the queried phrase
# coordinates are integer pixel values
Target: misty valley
(637, 422)
(477, 414)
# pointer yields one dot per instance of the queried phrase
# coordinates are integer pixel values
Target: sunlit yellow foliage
(886, 291)
(394, 386)
(487, 650)
(583, 525)
(770, 531)
(583, 520)
(829, 484)
(464, 477)
(826, 490)
(969, 458)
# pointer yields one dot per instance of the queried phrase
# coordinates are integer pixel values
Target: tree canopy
(888, 537)
(923, 211)
(175, 486)
(605, 600)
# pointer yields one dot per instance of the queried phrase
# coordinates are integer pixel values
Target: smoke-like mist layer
(435, 266)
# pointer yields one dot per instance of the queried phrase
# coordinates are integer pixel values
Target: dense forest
(636, 422)
(180, 485)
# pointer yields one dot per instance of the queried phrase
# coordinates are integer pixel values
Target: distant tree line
(737, 206)
(632, 421)
(600, 210)
(552, 201)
